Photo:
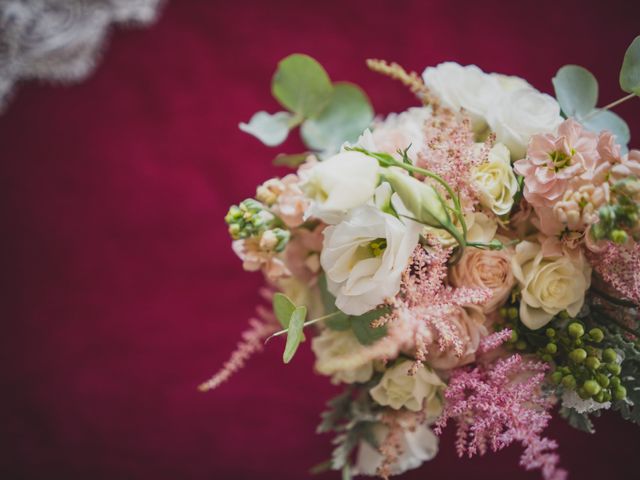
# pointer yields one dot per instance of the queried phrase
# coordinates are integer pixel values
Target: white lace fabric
(60, 40)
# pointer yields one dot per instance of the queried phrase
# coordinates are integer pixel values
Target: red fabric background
(119, 290)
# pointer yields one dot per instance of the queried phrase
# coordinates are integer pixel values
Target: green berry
(614, 368)
(578, 355)
(592, 363)
(575, 330)
(514, 337)
(603, 380)
(607, 395)
(550, 332)
(569, 382)
(620, 393)
(619, 236)
(615, 382)
(551, 348)
(556, 377)
(596, 335)
(547, 358)
(503, 312)
(591, 387)
(599, 397)
(609, 355)
(521, 345)
(583, 394)
(512, 313)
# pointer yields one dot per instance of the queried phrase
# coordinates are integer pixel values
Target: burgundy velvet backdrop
(120, 292)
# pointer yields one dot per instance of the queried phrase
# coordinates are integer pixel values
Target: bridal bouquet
(474, 260)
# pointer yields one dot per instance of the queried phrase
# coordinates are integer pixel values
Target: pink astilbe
(619, 266)
(425, 305)
(252, 342)
(500, 403)
(493, 341)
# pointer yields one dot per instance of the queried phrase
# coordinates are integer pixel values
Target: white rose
(417, 445)
(466, 87)
(552, 279)
(341, 356)
(495, 181)
(339, 184)
(508, 83)
(520, 114)
(398, 389)
(363, 257)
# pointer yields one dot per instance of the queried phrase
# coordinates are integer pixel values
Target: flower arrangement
(475, 259)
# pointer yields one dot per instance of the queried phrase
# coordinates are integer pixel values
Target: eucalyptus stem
(610, 106)
(306, 324)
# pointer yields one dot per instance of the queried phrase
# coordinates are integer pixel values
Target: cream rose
(417, 445)
(470, 324)
(490, 269)
(339, 184)
(341, 356)
(463, 87)
(552, 279)
(521, 113)
(363, 257)
(495, 181)
(398, 389)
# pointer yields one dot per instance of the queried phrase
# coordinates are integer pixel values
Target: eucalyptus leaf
(301, 85)
(607, 120)
(346, 116)
(364, 332)
(270, 129)
(290, 160)
(283, 308)
(294, 335)
(576, 90)
(630, 71)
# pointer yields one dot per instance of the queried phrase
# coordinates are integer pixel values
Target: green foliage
(301, 85)
(345, 117)
(576, 90)
(630, 71)
(270, 129)
(361, 326)
(294, 335)
(630, 374)
(607, 120)
(580, 421)
(290, 160)
(283, 308)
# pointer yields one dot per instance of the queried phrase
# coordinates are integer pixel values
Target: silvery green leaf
(607, 120)
(576, 90)
(346, 116)
(270, 129)
(301, 85)
(630, 71)
(294, 335)
(283, 308)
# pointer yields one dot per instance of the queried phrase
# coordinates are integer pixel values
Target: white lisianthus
(363, 257)
(521, 113)
(481, 228)
(399, 389)
(341, 356)
(466, 87)
(339, 184)
(417, 445)
(495, 181)
(552, 279)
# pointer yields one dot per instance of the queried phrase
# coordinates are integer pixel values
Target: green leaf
(283, 308)
(343, 120)
(630, 71)
(301, 85)
(328, 300)
(607, 120)
(576, 90)
(340, 322)
(290, 160)
(294, 336)
(270, 129)
(363, 330)
(579, 421)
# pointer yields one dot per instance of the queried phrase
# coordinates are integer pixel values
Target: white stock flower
(465, 87)
(363, 257)
(399, 389)
(417, 445)
(339, 184)
(521, 113)
(340, 355)
(552, 279)
(495, 181)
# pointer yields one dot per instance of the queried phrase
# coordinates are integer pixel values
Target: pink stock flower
(552, 161)
(302, 255)
(497, 404)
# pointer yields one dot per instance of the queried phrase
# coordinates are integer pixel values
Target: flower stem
(305, 324)
(610, 106)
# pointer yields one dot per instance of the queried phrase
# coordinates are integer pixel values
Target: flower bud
(620, 393)
(575, 330)
(609, 355)
(596, 335)
(569, 382)
(603, 380)
(614, 368)
(591, 387)
(578, 355)
(592, 363)
(421, 199)
(551, 348)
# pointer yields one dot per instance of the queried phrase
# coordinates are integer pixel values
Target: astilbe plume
(252, 342)
(496, 404)
(424, 306)
(619, 266)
